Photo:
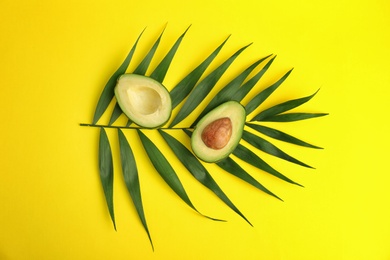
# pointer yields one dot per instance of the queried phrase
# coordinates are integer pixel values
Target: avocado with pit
(218, 133)
(144, 100)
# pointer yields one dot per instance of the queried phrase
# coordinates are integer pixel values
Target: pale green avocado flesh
(144, 100)
(218, 133)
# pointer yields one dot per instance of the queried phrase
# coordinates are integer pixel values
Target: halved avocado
(218, 133)
(144, 100)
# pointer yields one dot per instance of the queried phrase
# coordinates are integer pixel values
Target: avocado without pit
(144, 100)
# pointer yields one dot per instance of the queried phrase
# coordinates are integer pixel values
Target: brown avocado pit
(217, 134)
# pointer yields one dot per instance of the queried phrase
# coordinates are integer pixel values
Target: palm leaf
(203, 88)
(108, 91)
(116, 113)
(184, 87)
(244, 90)
(283, 107)
(291, 117)
(269, 148)
(263, 95)
(129, 122)
(130, 174)
(250, 157)
(144, 64)
(107, 172)
(230, 166)
(230, 90)
(198, 170)
(279, 135)
(165, 170)
(191, 91)
(161, 70)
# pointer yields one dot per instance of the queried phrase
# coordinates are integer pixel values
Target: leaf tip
(269, 55)
(227, 38)
(189, 26)
(249, 44)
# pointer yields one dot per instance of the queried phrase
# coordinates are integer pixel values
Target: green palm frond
(291, 117)
(106, 170)
(164, 168)
(196, 168)
(144, 64)
(130, 175)
(269, 148)
(188, 95)
(280, 108)
(202, 89)
(246, 155)
(108, 91)
(162, 68)
(246, 88)
(232, 90)
(183, 89)
(230, 166)
(279, 135)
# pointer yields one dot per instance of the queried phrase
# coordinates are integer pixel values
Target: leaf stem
(134, 127)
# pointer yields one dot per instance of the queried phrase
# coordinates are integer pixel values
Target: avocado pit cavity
(217, 134)
(145, 100)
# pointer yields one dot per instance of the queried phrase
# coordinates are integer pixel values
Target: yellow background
(55, 57)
